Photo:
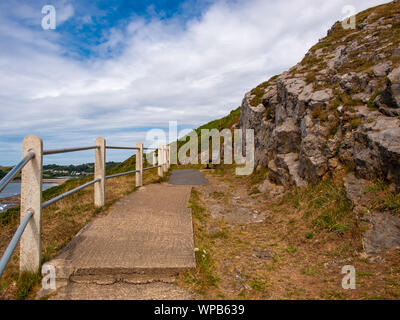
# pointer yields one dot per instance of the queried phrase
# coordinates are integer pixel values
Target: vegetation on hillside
(294, 249)
(54, 170)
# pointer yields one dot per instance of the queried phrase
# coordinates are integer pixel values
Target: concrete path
(132, 253)
(187, 177)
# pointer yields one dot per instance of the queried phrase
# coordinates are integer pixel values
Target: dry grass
(380, 196)
(60, 223)
(311, 234)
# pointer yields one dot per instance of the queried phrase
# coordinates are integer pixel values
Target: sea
(14, 189)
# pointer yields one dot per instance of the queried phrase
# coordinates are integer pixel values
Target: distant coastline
(17, 198)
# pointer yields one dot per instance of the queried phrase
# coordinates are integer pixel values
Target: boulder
(306, 129)
(382, 69)
(287, 137)
(391, 95)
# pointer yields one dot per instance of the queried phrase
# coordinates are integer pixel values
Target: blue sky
(120, 68)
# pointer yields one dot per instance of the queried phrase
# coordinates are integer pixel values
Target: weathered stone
(382, 69)
(299, 135)
(384, 232)
(272, 189)
(378, 152)
(319, 98)
(287, 137)
(391, 96)
(354, 187)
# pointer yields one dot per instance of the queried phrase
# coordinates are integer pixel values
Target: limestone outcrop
(339, 107)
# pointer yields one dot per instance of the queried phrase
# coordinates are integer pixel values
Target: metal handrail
(62, 196)
(28, 215)
(17, 169)
(14, 241)
(145, 169)
(122, 148)
(121, 174)
(57, 151)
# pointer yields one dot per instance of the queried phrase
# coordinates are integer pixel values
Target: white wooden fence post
(31, 199)
(159, 162)
(100, 172)
(139, 164)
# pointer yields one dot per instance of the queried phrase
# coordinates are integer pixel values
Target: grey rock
(337, 263)
(361, 96)
(382, 69)
(392, 93)
(378, 151)
(354, 187)
(240, 282)
(300, 144)
(287, 137)
(384, 232)
(319, 98)
(271, 189)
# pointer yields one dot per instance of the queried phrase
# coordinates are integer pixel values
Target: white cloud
(163, 71)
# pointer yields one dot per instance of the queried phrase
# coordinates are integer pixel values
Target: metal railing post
(159, 162)
(100, 172)
(31, 200)
(139, 164)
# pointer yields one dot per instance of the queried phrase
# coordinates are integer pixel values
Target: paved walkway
(132, 253)
(187, 177)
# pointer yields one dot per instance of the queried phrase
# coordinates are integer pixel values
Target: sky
(120, 68)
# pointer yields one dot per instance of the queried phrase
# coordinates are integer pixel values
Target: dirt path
(258, 247)
(134, 252)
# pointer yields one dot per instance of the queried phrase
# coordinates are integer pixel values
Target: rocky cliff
(338, 108)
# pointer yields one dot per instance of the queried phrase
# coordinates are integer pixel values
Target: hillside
(337, 109)
(324, 195)
(326, 190)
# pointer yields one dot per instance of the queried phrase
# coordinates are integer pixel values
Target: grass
(224, 123)
(311, 77)
(198, 211)
(355, 123)
(311, 270)
(291, 249)
(204, 276)
(325, 204)
(259, 92)
(309, 235)
(26, 282)
(381, 196)
(259, 284)
(258, 176)
(300, 247)
(320, 113)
